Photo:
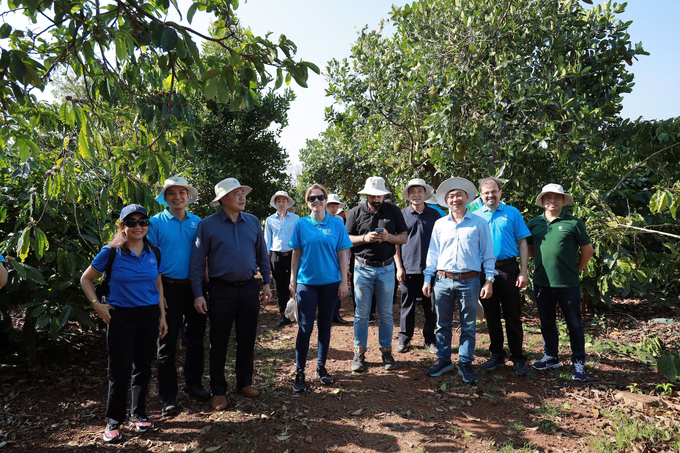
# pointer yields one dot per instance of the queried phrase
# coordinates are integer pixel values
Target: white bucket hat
(177, 181)
(225, 186)
(375, 185)
(455, 183)
(433, 198)
(554, 188)
(282, 193)
(334, 198)
(417, 182)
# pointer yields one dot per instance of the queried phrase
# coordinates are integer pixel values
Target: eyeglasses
(131, 223)
(313, 198)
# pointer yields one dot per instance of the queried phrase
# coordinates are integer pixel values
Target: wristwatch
(94, 301)
(490, 279)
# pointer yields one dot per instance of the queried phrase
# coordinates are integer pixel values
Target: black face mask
(376, 205)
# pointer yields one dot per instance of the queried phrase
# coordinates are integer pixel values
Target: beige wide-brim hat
(455, 183)
(334, 198)
(225, 186)
(282, 193)
(177, 181)
(553, 188)
(375, 185)
(417, 182)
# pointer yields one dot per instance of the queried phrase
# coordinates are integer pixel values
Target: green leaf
(64, 316)
(213, 448)
(64, 116)
(211, 89)
(19, 268)
(40, 241)
(443, 387)
(121, 49)
(24, 243)
(210, 73)
(312, 66)
(357, 412)
(283, 437)
(666, 364)
(84, 145)
(5, 30)
(191, 12)
(169, 39)
(660, 201)
(279, 79)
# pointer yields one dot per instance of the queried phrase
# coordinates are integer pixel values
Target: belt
(241, 283)
(281, 253)
(458, 276)
(502, 263)
(375, 263)
(177, 281)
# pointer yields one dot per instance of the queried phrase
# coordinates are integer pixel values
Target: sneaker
(388, 359)
(547, 362)
(113, 433)
(169, 408)
(284, 322)
(371, 318)
(401, 347)
(141, 425)
(432, 348)
(358, 362)
(465, 371)
(494, 362)
(299, 385)
(579, 372)
(197, 392)
(520, 368)
(440, 367)
(323, 375)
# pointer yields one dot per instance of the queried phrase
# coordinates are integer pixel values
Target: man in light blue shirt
(174, 231)
(460, 244)
(278, 229)
(509, 233)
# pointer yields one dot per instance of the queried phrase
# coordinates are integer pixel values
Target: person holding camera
(375, 228)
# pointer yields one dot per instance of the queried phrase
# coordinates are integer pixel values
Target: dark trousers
(506, 299)
(180, 300)
(569, 300)
(412, 295)
(281, 274)
(311, 297)
(131, 340)
(239, 305)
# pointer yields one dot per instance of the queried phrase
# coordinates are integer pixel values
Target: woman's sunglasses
(313, 198)
(131, 223)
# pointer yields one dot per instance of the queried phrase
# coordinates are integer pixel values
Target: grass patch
(626, 431)
(548, 415)
(509, 447)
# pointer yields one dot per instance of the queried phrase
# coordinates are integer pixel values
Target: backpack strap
(109, 264)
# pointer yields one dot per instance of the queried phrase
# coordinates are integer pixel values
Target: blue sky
(326, 29)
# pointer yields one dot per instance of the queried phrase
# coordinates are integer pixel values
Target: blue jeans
(446, 292)
(369, 280)
(309, 298)
(569, 299)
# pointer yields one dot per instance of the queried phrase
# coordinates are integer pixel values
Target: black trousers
(229, 305)
(131, 340)
(281, 274)
(180, 300)
(412, 295)
(505, 303)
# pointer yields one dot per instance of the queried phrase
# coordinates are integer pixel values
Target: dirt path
(61, 407)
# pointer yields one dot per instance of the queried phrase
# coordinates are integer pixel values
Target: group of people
(174, 270)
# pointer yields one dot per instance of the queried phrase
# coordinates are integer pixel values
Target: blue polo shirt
(176, 239)
(419, 227)
(2, 259)
(320, 243)
(507, 227)
(133, 278)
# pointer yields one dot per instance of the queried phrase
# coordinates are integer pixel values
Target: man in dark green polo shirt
(556, 238)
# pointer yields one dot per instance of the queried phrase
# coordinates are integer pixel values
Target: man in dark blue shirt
(232, 243)
(410, 262)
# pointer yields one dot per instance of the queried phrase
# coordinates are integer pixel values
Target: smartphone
(379, 230)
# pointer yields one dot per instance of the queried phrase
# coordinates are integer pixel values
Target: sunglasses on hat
(131, 223)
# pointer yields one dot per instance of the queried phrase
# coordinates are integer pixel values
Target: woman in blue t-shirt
(135, 314)
(318, 277)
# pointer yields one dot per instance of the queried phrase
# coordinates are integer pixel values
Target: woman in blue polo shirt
(318, 277)
(135, 316)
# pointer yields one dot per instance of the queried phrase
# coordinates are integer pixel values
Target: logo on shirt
(152, 260)
(193, 224)
(326, 231)
(560, 228)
